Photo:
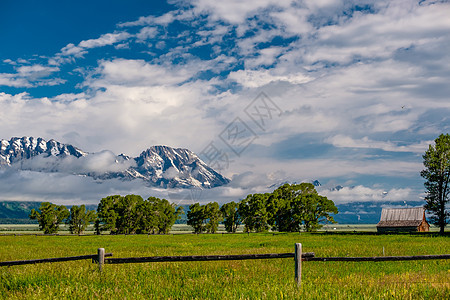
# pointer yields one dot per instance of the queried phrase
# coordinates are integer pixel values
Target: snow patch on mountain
(160, 166)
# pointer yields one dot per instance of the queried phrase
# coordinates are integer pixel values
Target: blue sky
(346, 92)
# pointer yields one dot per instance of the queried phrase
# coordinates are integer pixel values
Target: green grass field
(251, 279)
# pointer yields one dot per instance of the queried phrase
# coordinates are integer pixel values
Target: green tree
(148, 223)
(196, 217)
(107, 214)
(79, 219)
(128, 213)
(284, 210)
(437, 176)
(49, 216)
(159, 215)
(313, 209)
(231, 216)
(254, 212)
(213, 215)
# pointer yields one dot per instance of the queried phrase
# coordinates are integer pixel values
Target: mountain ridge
(160, 166)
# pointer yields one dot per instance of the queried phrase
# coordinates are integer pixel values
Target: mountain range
(160, 166)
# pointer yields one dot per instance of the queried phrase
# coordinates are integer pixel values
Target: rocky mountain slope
(161, 166)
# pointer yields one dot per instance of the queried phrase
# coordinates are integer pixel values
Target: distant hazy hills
(12, 212)
(349, 213)
(160, 166)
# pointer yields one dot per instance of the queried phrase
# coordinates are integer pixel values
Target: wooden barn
(403, 220)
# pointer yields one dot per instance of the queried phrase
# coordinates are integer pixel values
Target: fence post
(101, 258)
(298, 264)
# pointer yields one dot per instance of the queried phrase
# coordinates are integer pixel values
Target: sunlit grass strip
(247, 279)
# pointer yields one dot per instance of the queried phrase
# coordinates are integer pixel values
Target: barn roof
(401, 217)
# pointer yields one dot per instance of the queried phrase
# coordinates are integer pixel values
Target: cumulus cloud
(131, 73)
(72, 50)
(66, 188)
(348, 76)
(31, 76)
(363, 193)
(94, 164)
(260, 78)
(235, 11)
(365, 142)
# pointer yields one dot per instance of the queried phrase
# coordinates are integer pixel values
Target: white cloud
(366, 143)
(104, 40)
(134, 73)
(363, 193)
(235, 11)
(72, 50)
(379, 35)
(94, 163)
(256, 79)
(164, 19)
(77, 51)
(361, 79)
(13, 81)
(146, 33)
(31, 76)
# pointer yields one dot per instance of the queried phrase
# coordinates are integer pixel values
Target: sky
(349, 93)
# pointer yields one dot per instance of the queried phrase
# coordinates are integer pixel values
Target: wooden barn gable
(403, 219)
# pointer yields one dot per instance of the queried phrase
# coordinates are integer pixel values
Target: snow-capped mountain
(17, 149)
(160, 166)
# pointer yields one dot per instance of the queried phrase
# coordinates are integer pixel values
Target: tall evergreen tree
(437, 176)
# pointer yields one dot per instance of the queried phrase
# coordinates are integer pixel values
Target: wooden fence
(101, 259)
(94, 258)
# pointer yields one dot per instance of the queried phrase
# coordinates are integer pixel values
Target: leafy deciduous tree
(159, 215)
(49, 216)
(131, 214)
(128, 213)
(254, 212)
(79, 218)
(213, 215)
(107, 214)
(196, 217)
(285, 213)
(231, 216)
(313, 209)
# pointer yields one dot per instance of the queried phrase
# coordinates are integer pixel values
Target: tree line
(288, 208)
(117, 214)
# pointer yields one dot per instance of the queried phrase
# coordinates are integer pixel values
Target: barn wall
(424, 227)
(397, 229)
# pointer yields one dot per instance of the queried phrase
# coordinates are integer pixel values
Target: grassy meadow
(251, 279)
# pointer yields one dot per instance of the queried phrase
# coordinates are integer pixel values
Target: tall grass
(252, 279)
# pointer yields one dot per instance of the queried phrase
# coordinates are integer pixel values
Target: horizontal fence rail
(94, 257)
(100, 259)
(379, 258)
(203, 258)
